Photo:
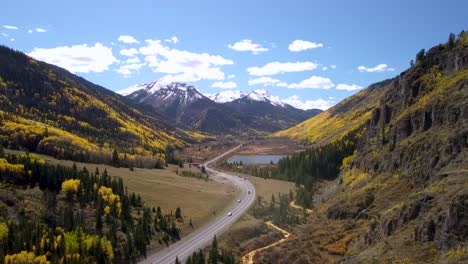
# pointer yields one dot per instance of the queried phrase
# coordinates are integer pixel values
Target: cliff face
(424, 112)
(413, 161)
(404, 195)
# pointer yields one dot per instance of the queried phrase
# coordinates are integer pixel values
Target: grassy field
(249, 233)
(198, 199)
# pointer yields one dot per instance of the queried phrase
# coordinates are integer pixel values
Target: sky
(311, 54)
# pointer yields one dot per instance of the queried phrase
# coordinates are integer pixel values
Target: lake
(258, 159)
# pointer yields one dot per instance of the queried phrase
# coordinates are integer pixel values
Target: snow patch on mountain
(257, 95)
(150, 87)
(226, 96)
(163, 91)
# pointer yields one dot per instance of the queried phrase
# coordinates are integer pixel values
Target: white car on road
(230, 214)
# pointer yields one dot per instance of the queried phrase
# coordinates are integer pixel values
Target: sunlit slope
(45, 107)
(340, 119)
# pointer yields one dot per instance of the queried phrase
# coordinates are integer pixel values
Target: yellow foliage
(336, 121)
(3, 231)
(353, 176)
(393, 208)
(25, 257)
(7, 167)
(107, 210)
(460, 254)
(444, 86)
(110, 198)
(2, 83)
(348, 160)
(70, 185)
(56, 136)
(77, 239)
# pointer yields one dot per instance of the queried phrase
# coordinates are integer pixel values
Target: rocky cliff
(413, 161)
(402, 197)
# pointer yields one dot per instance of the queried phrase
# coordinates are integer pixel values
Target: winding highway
(203, 236)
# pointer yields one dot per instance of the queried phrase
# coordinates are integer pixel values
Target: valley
(226, 133)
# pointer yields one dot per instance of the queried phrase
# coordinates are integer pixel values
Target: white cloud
(329, 67)
(127, 69)
(379, 68)
(77, 58)
(124, 71)
(248, 45)
(300, 45)
(40, 30)
(133, 60)
(313, 82)
(281, 67)
(266, 81)
(10, 27)
(128, 39)
(224, 85)
(129, 52)
(183, 66)
(348, 87)
(308, 104)
(133, 66)
(12, 39)
(231, 76)
(174, 40)
(4, 34)
(30, 31)
(282, 84)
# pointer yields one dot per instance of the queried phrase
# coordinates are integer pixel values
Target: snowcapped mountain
(186, 105)
(160, 94)
(257, 95)
(224, 112)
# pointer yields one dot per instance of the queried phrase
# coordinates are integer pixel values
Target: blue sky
(338, 46)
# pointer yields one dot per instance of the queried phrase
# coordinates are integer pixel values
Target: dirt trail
(249, 257)
(293, 205)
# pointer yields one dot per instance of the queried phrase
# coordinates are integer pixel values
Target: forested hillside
(68, 215)
(46, 109)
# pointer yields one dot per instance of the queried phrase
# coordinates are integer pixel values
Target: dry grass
(341, 246)
(198, 199)
(249, 233)
(271, 146)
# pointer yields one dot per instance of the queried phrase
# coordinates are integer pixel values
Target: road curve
(203, 236)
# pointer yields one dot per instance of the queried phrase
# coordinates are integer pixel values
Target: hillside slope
(47, 109)
(403, 196)
(340, 119)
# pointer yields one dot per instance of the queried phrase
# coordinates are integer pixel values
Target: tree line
(215, 255)
(121, 229)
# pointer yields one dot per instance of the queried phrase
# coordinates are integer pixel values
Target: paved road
(204, 235)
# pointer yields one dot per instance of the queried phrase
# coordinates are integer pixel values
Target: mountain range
(226, 112)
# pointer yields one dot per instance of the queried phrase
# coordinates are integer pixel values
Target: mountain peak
(256, 95)
(155, 85)
(159, 89)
